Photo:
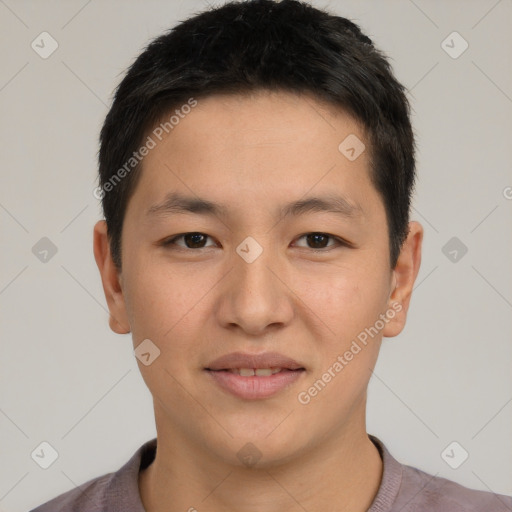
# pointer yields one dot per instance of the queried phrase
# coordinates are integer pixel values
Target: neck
(343, 473)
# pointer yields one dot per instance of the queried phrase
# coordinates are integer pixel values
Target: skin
(254, 153)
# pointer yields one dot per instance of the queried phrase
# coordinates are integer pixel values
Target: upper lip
(243, 360)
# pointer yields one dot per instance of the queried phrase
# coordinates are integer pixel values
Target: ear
(111, 279)
(404, 276)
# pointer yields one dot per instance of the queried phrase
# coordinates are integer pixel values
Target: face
(250, 233)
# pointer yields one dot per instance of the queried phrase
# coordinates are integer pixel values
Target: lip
(244, 360)
(254, 387)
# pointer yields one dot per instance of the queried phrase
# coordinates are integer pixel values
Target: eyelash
(340, 242)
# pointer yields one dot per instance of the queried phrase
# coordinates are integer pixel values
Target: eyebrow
(176, 203)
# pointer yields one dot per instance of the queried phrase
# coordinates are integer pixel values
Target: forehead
(250, 149)
(262, 117)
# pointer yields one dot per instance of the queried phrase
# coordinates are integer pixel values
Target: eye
(320, 240)
(194, 240)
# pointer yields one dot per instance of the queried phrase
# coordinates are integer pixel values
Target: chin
(259, 446)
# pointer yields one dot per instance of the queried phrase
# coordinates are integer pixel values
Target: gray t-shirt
(402, 488)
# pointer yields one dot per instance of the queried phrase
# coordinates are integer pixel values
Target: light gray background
(68, 380)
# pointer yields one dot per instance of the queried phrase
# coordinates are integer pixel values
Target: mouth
(253, 377)
(255, 372)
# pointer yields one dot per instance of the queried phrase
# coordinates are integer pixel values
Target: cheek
(161, 309)
(345, 299)
(155, 300)
(349, 304)
(164, 304)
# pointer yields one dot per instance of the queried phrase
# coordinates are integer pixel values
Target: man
(256, 172)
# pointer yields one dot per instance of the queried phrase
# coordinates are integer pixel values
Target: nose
(254, 297)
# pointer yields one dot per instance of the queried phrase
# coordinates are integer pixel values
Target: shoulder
(112, 492)
(431, 492)
(89, 496)
(408, 489)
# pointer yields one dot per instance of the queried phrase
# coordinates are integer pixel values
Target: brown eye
(193, 240)
(319, 240)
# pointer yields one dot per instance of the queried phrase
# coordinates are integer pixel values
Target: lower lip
(254, 388)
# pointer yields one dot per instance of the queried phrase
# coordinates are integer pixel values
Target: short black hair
(246, 46)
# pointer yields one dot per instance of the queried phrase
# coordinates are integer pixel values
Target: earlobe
(404, 276)
(110, 278)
